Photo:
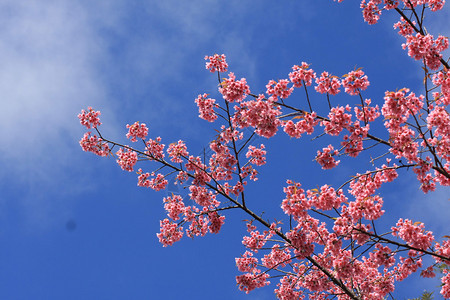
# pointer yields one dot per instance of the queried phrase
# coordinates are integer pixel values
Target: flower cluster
(177, 151)
(325, 157)
(327, 84)
(426, 47)
(261, 114)
(89, 118)
(302, 74)
(126, 159)
(306, 124)
(94, 144)
(170, 233)
(136, 131)
(413, 234)
(354, 82)
(257, 155)
(279, 89)
(234, 90)
(216, 63)
(154, 148)
(206, 107)
(157, 183)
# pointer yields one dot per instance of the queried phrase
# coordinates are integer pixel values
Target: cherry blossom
(89, 118)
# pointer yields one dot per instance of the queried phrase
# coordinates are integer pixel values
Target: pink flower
(279, 89)
(126, 159)
(306, 124)
(425, 47)
(354, 82)
(440, 119)
(302, 74)
(174, 206)
(201, 195)
(413, 234)
(154, 148)
(250, 281)
(261, 114)
(156, 183)
(136, 131)
(206, 107)
(89, 118)
(257, 155)
(371, 12)
(94, 144)
(216, 222)
(216, 63)
(327, 84)
(246, 263)
(232, 90)
(170, 233)
(325, 158)
(404, 28)
(177, 151)
(339, 120)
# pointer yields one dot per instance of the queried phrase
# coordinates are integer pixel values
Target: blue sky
(74, 226)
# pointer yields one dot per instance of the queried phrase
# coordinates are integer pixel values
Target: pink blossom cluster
(383, 256)
(296, 204)
(306, 124)
(440, 119)
(353, 143)
(201, 176)
(232, 90)
(413, 234)
(256, 240)
(170, 233)
(338, 120)
(206, 107)
(155, 148)
(257, 155)
(326, 198)
(136, 131)
(277, 257)
(287, 288)
(367, 204)
(368, 113)
(216, 221)
(250, 281)
(302, 74)
(354, 82)
(404, 28)
(426, 47)
(279, 89)
(216, 63)
(433, 4)
(371, 12)
(442, 79)
(89, 118)
(200, 222)
(177, 151)
(174, 206)
(222, 163)
(325, 157)
(261, 114)
(202, 196)
(445, 290)
(327, 84)
(157, 183)
(94, 144)
(422, 169)
(126, 159)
